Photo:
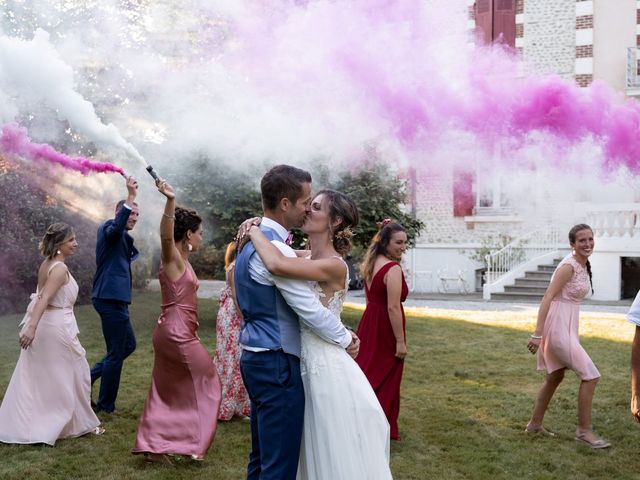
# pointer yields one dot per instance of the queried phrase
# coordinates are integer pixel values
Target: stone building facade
(583, 40)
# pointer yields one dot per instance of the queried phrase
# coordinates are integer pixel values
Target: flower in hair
(385, 222)
(345, 234)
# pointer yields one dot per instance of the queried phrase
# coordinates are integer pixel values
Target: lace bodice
(337, 301)
(578, 286)
(314, 350)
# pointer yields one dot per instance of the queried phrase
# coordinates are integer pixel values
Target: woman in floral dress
(235, 400)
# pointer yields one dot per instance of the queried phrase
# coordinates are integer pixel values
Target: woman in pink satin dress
(181, 410)
(556, 339)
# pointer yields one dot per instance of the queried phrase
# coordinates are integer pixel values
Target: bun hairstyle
(56, 234)
(572, 239)
(342, 208)
(378, 245)
(186, 220)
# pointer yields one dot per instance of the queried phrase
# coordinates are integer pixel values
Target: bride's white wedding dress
(346, 433)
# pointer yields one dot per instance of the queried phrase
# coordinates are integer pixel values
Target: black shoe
(94, 406)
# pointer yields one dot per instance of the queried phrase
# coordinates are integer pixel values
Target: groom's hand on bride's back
(354, 347)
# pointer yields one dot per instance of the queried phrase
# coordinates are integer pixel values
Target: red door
(496, 19)
(504, 21)
(484, 20)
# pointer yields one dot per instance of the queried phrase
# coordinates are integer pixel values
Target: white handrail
(519, 251)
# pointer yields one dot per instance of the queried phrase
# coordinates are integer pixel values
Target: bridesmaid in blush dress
(181, 410)
(556, 340)
(49, 395)
(381, 330)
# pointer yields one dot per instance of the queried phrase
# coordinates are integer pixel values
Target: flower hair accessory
(384, 223)
(345, 234)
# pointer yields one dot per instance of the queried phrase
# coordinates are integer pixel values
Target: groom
(270, 337)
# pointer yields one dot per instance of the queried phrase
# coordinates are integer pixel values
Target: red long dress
(378, 347)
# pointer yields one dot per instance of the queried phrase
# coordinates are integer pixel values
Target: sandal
(595, 444)
(99, 430)
(197, 458)
(540, 430)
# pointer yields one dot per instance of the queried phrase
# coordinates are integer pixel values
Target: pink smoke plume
(411, 73)
(14, 140)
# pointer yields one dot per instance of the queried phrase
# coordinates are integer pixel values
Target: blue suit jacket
(114, 254)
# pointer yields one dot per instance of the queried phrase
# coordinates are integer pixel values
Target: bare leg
(585, 399)
(545, 393)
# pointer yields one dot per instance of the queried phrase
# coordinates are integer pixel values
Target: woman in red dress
(382, 335)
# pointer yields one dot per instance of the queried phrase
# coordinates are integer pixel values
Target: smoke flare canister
(153, 173)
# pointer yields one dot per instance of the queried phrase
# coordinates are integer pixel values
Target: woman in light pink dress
(556, 339)
(235, 400)
(49, 395)
(181, 411)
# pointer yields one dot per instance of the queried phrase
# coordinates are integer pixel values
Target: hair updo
(56, 234)
(342, 208)
(187, 219)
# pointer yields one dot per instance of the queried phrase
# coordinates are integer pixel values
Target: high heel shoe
(99, 430)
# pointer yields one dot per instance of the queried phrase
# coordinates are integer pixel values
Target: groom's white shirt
(298, 295)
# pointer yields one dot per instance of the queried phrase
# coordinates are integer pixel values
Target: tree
(379, 194)
(223, 197)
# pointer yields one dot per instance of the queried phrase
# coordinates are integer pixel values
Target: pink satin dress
(560, 346)
(181, 411)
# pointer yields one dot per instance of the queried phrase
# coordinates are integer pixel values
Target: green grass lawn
(467, 393)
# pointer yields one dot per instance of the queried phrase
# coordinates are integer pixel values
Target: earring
(58, 252)
(189, 246)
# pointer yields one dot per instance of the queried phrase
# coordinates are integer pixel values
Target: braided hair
(572, 239)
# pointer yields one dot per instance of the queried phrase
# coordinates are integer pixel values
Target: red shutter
(504, 21)
(463, 197)
(484, 20)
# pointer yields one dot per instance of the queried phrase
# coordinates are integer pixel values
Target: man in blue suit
(111, 295)
(272, 308)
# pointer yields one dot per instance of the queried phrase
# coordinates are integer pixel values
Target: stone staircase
(529, 288)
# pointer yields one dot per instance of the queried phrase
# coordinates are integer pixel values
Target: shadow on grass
(467, 393)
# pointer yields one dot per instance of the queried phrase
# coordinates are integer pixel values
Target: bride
(346, 433)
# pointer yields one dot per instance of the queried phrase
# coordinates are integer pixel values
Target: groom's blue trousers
(274, 385)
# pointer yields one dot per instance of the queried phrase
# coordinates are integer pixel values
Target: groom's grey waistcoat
(269, 322)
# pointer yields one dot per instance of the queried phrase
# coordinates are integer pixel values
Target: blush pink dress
(560, 346)
(181, 411)
(49, 395)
